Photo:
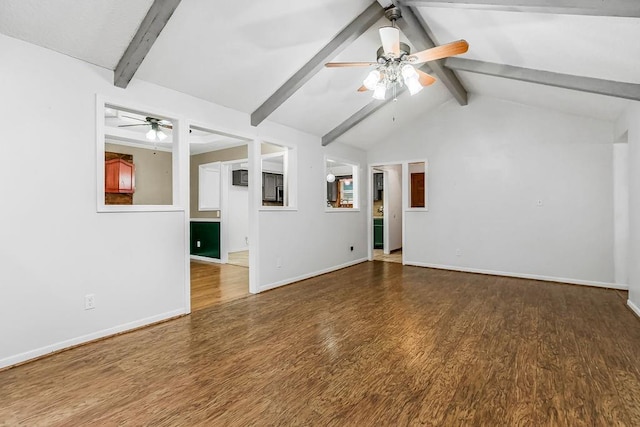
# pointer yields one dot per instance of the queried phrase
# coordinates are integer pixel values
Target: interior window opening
(342, 184)
(275, 165)
(138, 157)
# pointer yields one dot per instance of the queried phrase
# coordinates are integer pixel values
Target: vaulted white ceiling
(239, 53)
(592, 46)
(94, 31)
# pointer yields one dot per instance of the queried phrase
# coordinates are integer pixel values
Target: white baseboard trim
(310, 275)
(52, 348)
(521, 275)
(206, 259)
(633, 307)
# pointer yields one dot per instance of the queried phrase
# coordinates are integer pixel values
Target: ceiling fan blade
(390, 37)
(362, 88)
(134, 118)
(348, 64)
(141, 124)
(439, 52)
(425, 79)
(165, 126)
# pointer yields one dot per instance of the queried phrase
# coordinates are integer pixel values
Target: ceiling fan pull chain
(395, 99)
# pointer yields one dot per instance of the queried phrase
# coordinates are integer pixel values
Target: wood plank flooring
(374, 344)
(240, 258)
(395, 256)
(213, 284)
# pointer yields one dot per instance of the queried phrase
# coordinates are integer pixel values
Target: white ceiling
(239, 53)
(94, 31)
(591, 46)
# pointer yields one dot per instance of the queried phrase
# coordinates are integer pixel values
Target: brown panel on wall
(417, 190)
(115, 198)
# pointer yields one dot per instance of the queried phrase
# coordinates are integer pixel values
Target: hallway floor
(395, 256)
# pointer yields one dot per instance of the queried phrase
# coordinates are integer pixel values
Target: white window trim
(407, 185)
(101, 207)
(290, 171)
(356, 184)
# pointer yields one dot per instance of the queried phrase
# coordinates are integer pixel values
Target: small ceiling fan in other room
(394, 67)
(155, 132)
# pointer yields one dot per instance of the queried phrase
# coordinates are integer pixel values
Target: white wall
(630, 123)
(56, 248)
(307, 239)
(392, 208)
(621, 211)
(489, 164)
(237, 217)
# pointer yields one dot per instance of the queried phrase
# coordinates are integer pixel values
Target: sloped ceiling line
(153, 23)
(619, 8)
(418, 32)
(548, 78)
(356, 118)
(351, 32)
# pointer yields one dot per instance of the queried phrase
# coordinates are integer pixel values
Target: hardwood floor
(395, 256)
(374, 344)
(240, 258)
(213, 284)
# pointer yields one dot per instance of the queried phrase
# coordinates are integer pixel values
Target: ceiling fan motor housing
(392, 14)
(382, 57)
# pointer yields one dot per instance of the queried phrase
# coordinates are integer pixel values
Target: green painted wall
(208, 234)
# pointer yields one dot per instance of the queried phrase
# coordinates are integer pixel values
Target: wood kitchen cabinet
(119, 176)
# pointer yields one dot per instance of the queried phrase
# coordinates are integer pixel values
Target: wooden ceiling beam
(620, 8)
(344, 38)
(419, 34)
(365, 112)
(548, 78)
(152, 25)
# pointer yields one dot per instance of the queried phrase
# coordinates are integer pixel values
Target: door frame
(226, 168)
(252, 142)
(377, 165)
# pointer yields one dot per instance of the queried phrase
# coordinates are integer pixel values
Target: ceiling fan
(395, 63)
(155, 133)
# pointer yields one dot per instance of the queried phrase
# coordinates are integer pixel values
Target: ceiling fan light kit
(372, 80)
(155, 133)
(395, 63)
(380, 91)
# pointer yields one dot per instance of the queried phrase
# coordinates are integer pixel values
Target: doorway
(386, 213)
(218, 217)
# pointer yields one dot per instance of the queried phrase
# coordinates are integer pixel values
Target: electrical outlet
(458, 252)
(197, 243)
(279, 262)
(89, 301)
(351, 248)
